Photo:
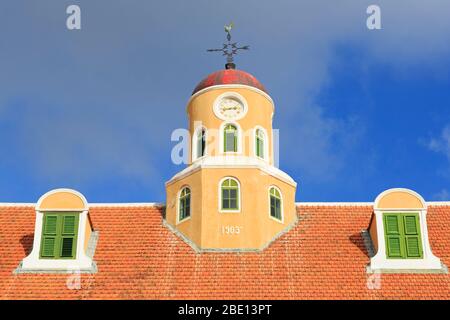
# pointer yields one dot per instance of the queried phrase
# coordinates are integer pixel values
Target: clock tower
(230, 196)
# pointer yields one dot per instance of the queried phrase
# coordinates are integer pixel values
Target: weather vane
(229, 49)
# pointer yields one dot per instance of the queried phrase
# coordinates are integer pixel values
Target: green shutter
(410, 224)
(49, 236)
(394, 248)
(68, 225)
(67, 247)
(59, 235)
(392, 226)
(413, 247)
(50, 224)
(402, 233)
(48, 247)
(412, 236)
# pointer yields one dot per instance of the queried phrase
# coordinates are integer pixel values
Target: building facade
(230, 227)
(231, 196)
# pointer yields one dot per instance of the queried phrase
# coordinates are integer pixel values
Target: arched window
(201, 143)
(259, 143)
(275, 203)
(184, 207)
(230, 136)
(229, 194)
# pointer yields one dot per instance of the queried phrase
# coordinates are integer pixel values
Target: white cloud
(441, 144)
(443, 195)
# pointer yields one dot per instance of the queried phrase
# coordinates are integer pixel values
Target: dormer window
(64, 239)
(402, 235)
(399, 234)
(59, 235)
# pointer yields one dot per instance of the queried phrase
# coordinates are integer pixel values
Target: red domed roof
(229, 76)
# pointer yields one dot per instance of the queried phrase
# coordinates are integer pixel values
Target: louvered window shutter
(59, 236)
(412, 236)
(394, 248)
(49, 236)
(402, 233)
(68, 235)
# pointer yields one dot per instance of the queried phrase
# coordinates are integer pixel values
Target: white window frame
(222, 135)
(195, 143)
(178, 204)
(239, 195)
(281, 205)
(265, 143)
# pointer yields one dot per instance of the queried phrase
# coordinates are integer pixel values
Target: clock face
(229, 108)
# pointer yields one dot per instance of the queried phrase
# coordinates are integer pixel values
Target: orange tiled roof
(323, 257)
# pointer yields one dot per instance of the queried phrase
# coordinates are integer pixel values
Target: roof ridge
(92, 205)
(342, 204)
(127, 204)
(17, 204)
(334, 204)
(162, 204)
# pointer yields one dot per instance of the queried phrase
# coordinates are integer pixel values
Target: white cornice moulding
(132, 204)
(232, 162)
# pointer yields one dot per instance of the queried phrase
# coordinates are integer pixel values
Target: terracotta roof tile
(323, 257)
(229, 76)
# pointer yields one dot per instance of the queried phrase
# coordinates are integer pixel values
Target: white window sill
(56, 266)
(277, 220)
(425, 265)
(442, 270)
(184, 220)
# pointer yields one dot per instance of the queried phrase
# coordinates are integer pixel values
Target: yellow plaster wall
(260, 109)
(399, 200)
(257, 228)
(192, 226)
(207, 224)
(62, 200)
(88, 234)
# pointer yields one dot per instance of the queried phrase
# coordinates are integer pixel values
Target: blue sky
(358, 111)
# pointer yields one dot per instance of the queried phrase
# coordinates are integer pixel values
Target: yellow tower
(230, 196)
